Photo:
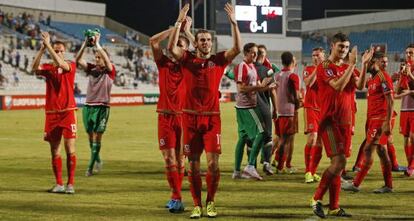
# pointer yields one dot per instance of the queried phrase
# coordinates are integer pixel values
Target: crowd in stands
(135, 65)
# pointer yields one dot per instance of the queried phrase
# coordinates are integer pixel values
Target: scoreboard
(260, 16)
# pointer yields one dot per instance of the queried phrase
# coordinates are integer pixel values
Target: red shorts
(336, 138)
(311, 120)
(201, 132)
(406, 123)
(169, 131)
(58, 124)
(374, 133)
(286, 125)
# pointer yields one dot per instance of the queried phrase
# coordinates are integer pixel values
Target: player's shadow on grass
(130, 212)
(266, 216)
(265, 206)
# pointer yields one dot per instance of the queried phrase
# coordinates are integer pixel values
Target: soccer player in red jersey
(96, 110)
(313, 147)
(383, 63)
(406, 83)
(201, 113)
(379, 117)
(288, 100)
(169, 108)
(60, 109)
(333, 76)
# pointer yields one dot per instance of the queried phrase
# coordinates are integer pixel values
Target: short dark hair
(201, 31)
(248, 46)
(339, 37)
(261, 46)
(287, 58)
(318, 49)
(378, 55)
(58, 42)
(410, 46)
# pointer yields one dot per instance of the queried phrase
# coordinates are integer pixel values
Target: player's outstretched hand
(97, 38)
(367, 56)
(183, 13)
(353, 55)
(188, 22)
(230, 13)
(45, 37)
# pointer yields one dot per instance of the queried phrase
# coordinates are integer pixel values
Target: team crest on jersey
(186, 148)
(210, 64)
(385, 87)
(305, 73)
(60, 70)
(329, 72)
(162, 142)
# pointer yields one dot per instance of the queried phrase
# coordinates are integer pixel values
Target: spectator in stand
(26, 62)
(3, 79)
(42, 19)
(77, 90)
(122, 80)
(10, 57)
(15, 78)
(48, 19)
(17, 59)
(3, 53)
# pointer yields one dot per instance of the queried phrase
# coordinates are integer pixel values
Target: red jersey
(379, 86)
(59, 87)
(171, 86)
(311, 96)
(202, 77)
(334, 105)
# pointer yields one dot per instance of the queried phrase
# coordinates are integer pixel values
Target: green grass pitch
(132, 185)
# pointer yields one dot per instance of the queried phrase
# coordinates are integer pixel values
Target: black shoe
(318, 208)
(346, 177)
(338, 213)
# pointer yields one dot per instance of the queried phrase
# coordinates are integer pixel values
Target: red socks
(392, 155)
(57, 169)
(315, 158)
(195, 186)
(360, 157)
(411, 162)
(172, 177)
(325, 183)
(307, 157)
(362, 173)
(71, 166)
(386, 172)
(180, 177)
(334, 190)
(212, 180)
(408, 152)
